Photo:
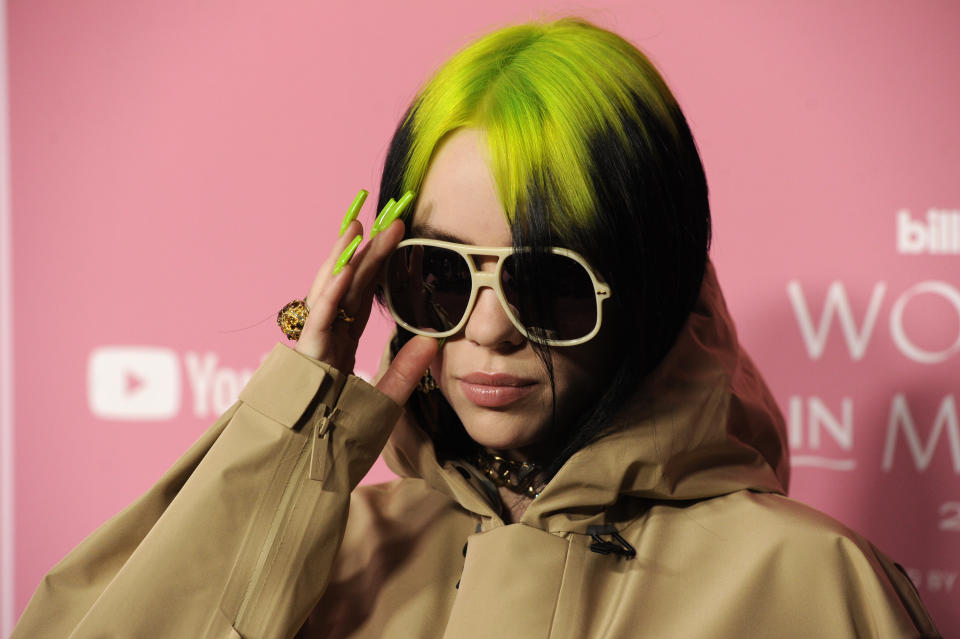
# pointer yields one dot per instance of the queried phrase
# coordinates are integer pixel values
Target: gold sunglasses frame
(491, 279)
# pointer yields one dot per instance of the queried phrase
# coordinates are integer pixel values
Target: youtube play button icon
(133, 383)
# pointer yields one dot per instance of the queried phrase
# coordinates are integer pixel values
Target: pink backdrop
(180, 168)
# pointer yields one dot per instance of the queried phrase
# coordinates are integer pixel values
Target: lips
(495, 390)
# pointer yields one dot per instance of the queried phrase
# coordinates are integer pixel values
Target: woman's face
(489, 373)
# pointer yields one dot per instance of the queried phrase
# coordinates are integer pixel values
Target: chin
(500, 431)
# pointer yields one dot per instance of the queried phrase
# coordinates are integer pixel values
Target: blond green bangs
(541, 93)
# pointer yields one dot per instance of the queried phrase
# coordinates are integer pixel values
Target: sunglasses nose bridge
(485, 278)
(491, 280)
(482, 279)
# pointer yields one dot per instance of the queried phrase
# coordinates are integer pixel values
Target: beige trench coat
(259, 531)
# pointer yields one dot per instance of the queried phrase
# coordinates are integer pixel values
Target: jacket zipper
(290, 490)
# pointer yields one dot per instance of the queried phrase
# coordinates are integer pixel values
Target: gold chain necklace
(509, 473)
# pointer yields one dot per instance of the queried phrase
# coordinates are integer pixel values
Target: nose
(488, 324)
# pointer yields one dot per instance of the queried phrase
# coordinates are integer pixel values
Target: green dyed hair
(542, 93)
(588, 149)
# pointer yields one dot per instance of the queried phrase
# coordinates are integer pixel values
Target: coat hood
(701, 424)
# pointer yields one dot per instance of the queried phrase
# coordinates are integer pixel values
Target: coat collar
(702, 424)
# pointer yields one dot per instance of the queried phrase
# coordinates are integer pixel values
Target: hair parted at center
(589, 150)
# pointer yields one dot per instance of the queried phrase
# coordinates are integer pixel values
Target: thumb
(407, 367)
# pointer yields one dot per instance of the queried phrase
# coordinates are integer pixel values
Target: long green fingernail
(383, 213)
(397, 210)
(348, 252)
(354, 210)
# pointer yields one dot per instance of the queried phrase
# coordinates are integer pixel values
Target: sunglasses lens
(429, 287)
(555, 300)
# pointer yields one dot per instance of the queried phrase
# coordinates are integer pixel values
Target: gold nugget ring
(291, 318)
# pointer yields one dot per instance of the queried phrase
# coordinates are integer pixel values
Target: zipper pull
(321, 444)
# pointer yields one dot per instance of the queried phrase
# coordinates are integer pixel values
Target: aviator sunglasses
(431, 287)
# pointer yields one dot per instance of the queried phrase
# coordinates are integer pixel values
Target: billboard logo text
(939, 234)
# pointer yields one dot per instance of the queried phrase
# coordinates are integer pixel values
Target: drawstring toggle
(618, 546)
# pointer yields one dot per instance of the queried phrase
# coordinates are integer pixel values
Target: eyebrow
(429, 232)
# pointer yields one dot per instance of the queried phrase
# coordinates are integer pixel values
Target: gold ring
(346, 317)
(291, 318)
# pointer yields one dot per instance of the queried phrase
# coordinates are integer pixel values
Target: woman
(589, 453)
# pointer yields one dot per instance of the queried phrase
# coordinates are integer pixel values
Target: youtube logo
(133, 383)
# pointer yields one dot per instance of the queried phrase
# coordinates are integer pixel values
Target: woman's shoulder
(763, 520)
(780, 513)
(793, 549)
(768, 533)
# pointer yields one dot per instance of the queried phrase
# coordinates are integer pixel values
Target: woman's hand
(326, 336)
